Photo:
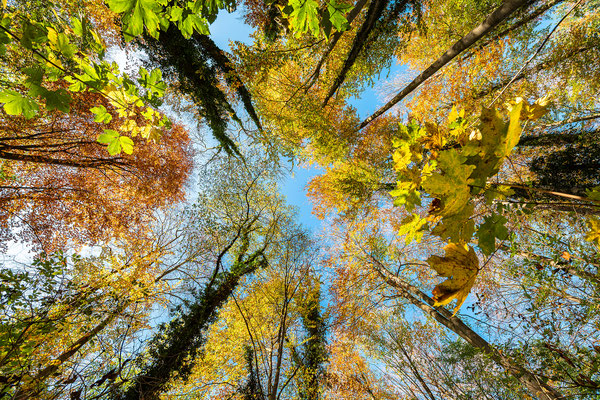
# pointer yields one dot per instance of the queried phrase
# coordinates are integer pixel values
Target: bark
(415, 371)
(572, 120)
(523, 21)
(231, 77)
(529, 72)
(495, 18)
(549, 139)
(538, 388)
(174, 349)
(188, 62)
(80, 163)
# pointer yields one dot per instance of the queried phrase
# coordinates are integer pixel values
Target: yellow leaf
(453, 115)
(593, 235)
(460, 265)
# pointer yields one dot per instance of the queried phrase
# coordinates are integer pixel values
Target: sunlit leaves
(17, 104)
(60, 42)
(72, 54)
(407, 195)
(304, 16)
(593, 233)
(153, 82)
(457, 227)
(156, 15)
(413, 227)
(116, 143)
(531, 112)
(333, 17)
(460, 265)
(101, 115)
(451, 183)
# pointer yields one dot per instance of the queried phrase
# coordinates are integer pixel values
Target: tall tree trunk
(30, 388)
(538, 388)
(173, 350)
(495, 18)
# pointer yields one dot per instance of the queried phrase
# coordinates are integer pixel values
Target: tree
(61, 186)
(462, 199)
(59, 312)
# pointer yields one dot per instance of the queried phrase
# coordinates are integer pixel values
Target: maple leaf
(413, 227)
(451, 184)
(593, 194)
(460, 266)
(407, 195)
(497, 139)
(493, 228)
(457, 227)
(16, 104)
(531, 112)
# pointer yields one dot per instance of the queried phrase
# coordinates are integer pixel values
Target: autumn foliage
(60, 187)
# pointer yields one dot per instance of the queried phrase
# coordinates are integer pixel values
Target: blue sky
(231, 27)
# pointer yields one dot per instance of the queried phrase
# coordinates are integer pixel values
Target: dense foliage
(458, 248)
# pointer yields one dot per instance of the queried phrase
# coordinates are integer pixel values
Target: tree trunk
(496, 17)
(538, 388)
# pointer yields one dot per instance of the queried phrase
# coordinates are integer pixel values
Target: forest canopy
(151, 248)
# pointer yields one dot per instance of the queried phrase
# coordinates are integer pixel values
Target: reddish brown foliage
(59, 186)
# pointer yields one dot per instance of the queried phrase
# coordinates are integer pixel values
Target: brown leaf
(460, 266)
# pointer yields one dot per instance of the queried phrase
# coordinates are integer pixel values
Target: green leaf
(457, 227)
(153, 82)
(17, 104)
(175, 13)
(108, 137)
(193, 22)
(116, 143)
(77, 26)
(336, 15)
(75, 84)
(305, 16)
(407, 195)
(114, 147)
(593, 194)
(497, 192)
(493, 228)
(4, 37)
(121, 6)
(498, 138)
(58, 100)
(451, 183)
(593, 234)
(35, 75)
(139, 13)
(33, 34)
(60, 42)
(101, 115)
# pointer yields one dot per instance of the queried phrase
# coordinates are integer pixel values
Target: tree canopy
(143, 175)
